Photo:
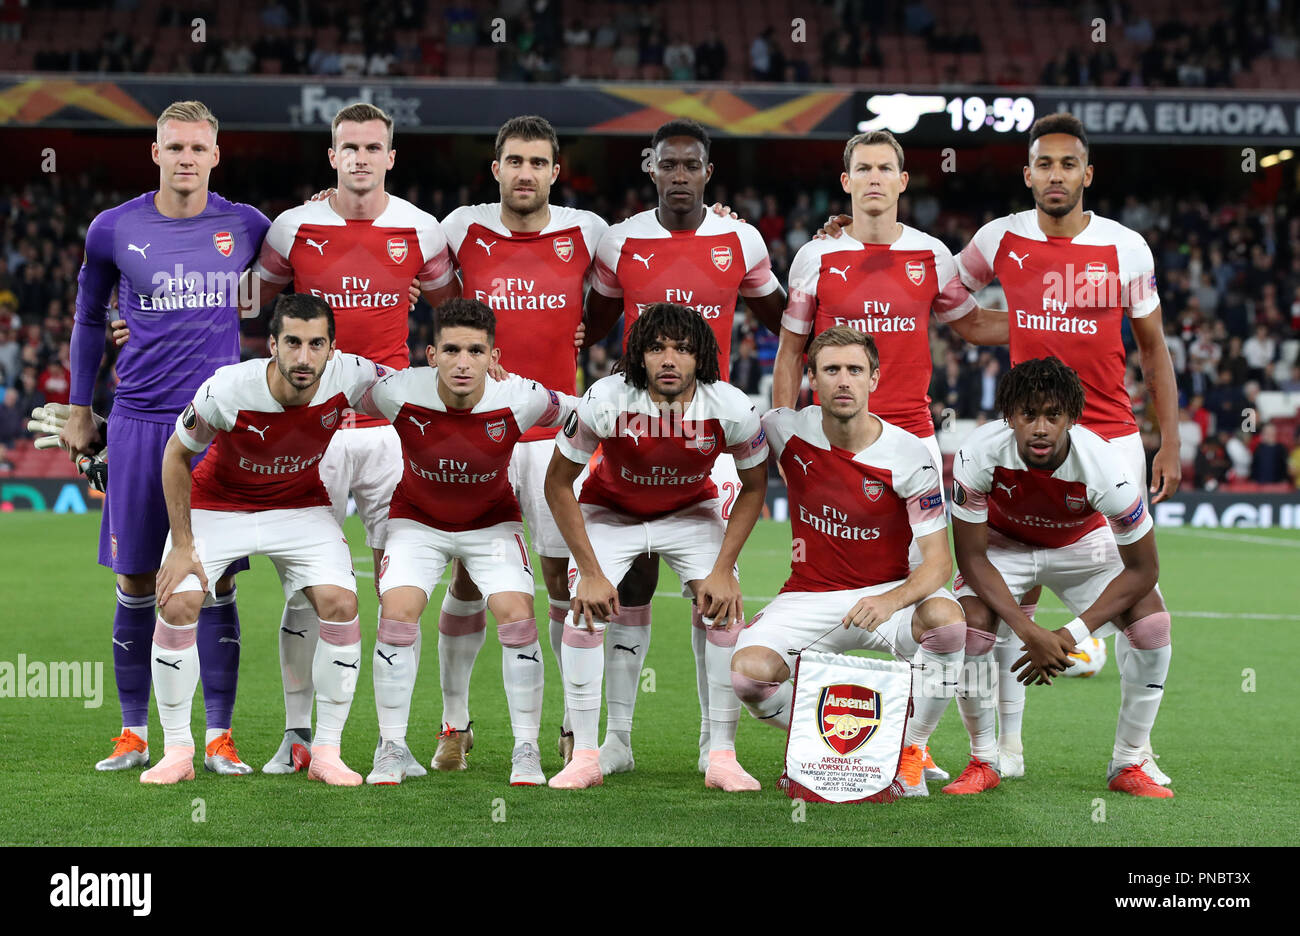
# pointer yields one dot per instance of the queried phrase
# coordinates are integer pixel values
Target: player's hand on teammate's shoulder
(321, 195)
(596, 599)
(121, 334)
(870, 612)
(1048, 655)
(497, 372)
(414, 291)
(722, 211)
(580, 335)
(719, 600)
(178, 563)
(1166, 473)
(834, 226)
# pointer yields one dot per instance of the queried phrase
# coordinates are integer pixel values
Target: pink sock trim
(578, 637)
(723, 638)
(947, 639)
(752, 691)
(557, 612)
(1150, 632)
(172, 638)
(1030, 610)
(697, 619)
(635, 616)
(461, 625)
(341, 635)
(979, 642)
(398, 633)
(517, 633)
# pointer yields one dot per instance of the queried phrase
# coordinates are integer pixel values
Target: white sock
(775, 709)
(938, 684)
(560, 609)
(394, 678)
(1143, 681)
(175, 678)
(335, 670)
(626, 646)
(1011, 692)
(699, 638)
(976, 700)
(212, 734)
(584, 668)
(724, 707)
(1122, 647)
(141, 732)
(299, 631)
(456, 655)
(524, 675)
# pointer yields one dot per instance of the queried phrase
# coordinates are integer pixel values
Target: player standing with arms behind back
(1071, 278)
(185, 328)
(528, 261)
(358, 250)
(682, 253)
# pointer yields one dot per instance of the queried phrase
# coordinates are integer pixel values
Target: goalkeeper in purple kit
(175, 257)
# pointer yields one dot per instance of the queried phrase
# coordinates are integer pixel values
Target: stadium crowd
(1228, 273)
(1194, 44)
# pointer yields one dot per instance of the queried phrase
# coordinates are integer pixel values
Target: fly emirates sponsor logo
(835, 523)
(451, 471)
(354, 293)
(1055, 317)
(281, 464)
(516, 294)
(686, 297)
(877, 319)
(660, 475)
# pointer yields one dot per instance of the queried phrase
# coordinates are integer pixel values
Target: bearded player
(682, 253)
(1032, 496)
(259, 491)
(1071, 279)
(459, 430)
(529, 262)
(861, 490)
(358, 250)
(185, 327)
(661, 422)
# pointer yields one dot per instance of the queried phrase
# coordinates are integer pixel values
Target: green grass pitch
(1222, 733)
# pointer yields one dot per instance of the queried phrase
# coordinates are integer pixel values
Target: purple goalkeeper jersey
(177, 287)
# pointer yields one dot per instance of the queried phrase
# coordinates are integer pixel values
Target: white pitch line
(1236, 537)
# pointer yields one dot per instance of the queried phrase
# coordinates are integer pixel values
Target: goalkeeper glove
(50, 420)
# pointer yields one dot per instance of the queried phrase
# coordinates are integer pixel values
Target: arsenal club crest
(915, 271)
(1095, 273)
(331, 419)
(847, 716)
(224, 241)
(873, 489)
(496, 429)
(397, 249)
(721, 258)
(704, 443)
(563, 248)
(1076, 504)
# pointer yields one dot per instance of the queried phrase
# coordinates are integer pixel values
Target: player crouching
(860, 489)
(454, 501)
(1032, 495)
(661, 422)
(258, 492)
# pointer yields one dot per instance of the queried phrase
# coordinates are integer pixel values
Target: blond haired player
(358, 250)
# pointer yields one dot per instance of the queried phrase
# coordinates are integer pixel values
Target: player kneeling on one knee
(860, 489)
(1032, 497)
(458, 429)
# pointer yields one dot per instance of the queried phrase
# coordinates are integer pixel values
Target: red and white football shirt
(992, 484)
(454, 461)
(362, 269)
(855, 512)
(887, 291)
(655, 464)
(263, 456)
(1067, 297)
(533, 283)
(705, 269)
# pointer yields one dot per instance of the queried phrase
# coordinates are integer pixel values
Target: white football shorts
(527, 474)
(495, 557)
(794, 620)
(305, 544)
(366, 461)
